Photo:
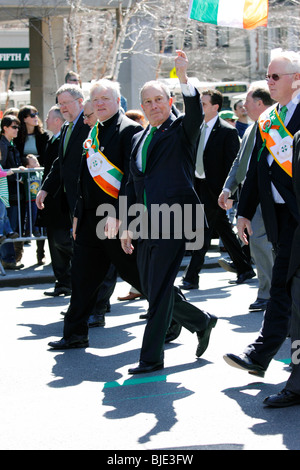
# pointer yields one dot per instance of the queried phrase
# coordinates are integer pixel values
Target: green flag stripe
(115, 173)
(205, 11)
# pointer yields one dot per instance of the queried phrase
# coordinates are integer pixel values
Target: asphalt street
(85, 399)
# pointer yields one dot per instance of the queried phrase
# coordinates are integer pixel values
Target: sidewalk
(31, 273)
(34, 274)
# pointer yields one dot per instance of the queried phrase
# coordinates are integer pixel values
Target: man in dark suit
(214, 159)
(290, 395)
(162, 175)
(257, 100)
(53, 218)
(61, 181)
(102, 177)
(269, 182)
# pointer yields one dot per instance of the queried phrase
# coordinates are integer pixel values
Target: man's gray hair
(74, 90)
(290, 56)
(156, 83)
(104, 83)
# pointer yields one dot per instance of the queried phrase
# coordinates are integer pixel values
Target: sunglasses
(277, 76)
(15, 127)
(86, 116)
(32, 115)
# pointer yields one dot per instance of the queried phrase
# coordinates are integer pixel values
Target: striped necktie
(282, 113)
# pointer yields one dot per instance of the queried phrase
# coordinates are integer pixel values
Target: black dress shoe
(282, 399)
(145, 367)
(259, 304)
(173, 332)
(203, 336)
(244, 362)
(97, 319)
(73, 342)
(188, 285)
(241, 278)
(59, 291)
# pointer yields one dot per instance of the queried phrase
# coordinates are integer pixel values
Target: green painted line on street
(285, 361)
(143, 380)
(108, 402)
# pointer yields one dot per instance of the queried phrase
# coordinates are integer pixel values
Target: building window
(201, 36)
(222, 37)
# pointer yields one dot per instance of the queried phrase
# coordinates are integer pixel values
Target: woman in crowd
(32, 139)
(10, 158)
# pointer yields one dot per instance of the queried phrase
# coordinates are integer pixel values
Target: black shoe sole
(231, 362)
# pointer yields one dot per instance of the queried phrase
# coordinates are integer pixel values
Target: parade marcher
(257, 101)
(269, 182)
(162, 174)
(103, 174)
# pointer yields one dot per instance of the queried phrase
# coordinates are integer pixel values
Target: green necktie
(144, 154)
(68, 135)
(145, 147)
(282, 113)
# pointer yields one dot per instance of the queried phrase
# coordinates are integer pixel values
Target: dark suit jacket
(170, 166)
(64, 173)
(220, 151)
(257, 186)
(295, 254)
(115, 137)
(52, 215)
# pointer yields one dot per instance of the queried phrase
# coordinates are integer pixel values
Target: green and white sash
(277, 139)
(104, 173)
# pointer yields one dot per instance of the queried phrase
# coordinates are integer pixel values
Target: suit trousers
(158, 263)
(61, 252)
(262, 253)
(293, 383)
(90, 264)
(217, 221)
(276, 322)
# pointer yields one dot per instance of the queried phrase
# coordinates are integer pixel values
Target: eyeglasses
(15, 127)
(86, 116)
(277, 76)
(32, 115)
(73, 80)
(60, 105)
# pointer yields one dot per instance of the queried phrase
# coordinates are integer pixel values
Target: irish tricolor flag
(246, 14)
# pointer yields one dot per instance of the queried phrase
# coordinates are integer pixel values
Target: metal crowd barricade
(22, 238)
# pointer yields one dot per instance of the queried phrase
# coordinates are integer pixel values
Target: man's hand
(223, 198)
(126, 240)
(242, 225)
(111, 227)
(181, 65)
(40, 198)
(75, 220)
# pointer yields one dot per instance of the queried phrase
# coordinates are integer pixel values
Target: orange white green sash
(277, 139)
(104, 173)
